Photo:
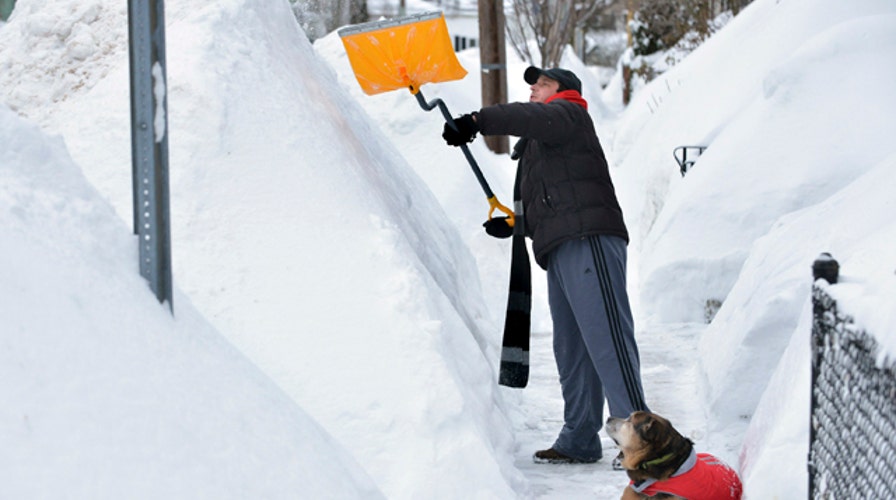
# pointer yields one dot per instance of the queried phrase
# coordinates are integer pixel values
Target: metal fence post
(826, 267)
(149, 144)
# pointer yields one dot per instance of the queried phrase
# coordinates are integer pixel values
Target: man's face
(543, 88)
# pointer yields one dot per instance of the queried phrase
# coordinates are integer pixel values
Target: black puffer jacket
(565, 185)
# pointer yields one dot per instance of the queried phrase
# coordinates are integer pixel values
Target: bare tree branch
(550, 24)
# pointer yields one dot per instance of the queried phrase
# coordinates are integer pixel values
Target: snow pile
(856, 225)
(298, 231)
(762, 108)
(793, 100)
(105, 394)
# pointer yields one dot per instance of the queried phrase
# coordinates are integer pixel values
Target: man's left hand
(498, 227)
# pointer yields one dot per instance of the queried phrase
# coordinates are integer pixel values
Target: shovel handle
(494, 204)
(429, 106)
(492, 199)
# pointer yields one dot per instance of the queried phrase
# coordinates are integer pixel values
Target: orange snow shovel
(407, 52)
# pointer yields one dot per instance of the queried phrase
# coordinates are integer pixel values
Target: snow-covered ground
(337, 308)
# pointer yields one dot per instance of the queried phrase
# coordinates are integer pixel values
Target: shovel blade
(401, 53)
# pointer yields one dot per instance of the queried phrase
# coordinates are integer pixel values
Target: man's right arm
(550, 123)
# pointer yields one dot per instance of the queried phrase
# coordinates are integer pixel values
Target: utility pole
(149, 144)
(493, 59)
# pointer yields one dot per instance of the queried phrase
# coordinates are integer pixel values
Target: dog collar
(656, 461)
(683, 469)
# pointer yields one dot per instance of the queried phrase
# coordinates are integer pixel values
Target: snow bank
(815, 169)
(781, 265)
(105, 394)
(300, 233)
(776, 91)
(794, 101)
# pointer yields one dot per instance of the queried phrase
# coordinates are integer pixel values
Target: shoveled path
(669, 373)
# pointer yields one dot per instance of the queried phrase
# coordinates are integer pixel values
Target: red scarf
(569, 95)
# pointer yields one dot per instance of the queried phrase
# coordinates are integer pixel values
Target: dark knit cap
(567, 79)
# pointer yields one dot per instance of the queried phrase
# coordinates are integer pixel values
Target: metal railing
(681, 157)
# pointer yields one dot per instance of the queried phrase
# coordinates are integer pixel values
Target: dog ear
(647, 429)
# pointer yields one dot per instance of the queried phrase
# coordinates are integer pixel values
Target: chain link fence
(852, 449)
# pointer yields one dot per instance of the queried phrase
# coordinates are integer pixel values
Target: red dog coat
(702, 478)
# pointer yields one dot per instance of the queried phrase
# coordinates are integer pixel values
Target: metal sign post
(149, 143)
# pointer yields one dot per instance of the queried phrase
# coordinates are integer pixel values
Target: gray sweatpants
(594, 340)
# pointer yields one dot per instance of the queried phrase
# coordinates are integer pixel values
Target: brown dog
(662, 463)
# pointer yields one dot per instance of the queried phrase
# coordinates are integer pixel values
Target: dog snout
(613, 424)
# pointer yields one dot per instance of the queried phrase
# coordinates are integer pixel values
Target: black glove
(466, 131)
(498, 227)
